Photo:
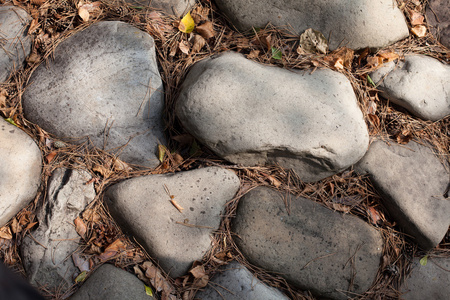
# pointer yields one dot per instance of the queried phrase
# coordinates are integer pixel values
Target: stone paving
(104, 82)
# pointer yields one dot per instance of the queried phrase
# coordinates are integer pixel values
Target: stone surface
(52, 266)
(103, 83)
(438, 18)
(171, 7)
(15, 44)
(112, 283)
(142, 206)
(412, 182)
(428, 282)
(235, 282)
(253, 114)
(313, 247)
(344, 23)
(420, 84)
(20, 170)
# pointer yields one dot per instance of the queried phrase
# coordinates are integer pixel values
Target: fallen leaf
(80, 262)
(340, 207)
(374, 215)
(184, 47)
(177, 206)
(423, 261)
(15, 226)
(313, 41)
(34, 24)
(276, 53)
(3, 95)
(120, 165)
(112, 250)
(81, 277)
(363, 55)
(374, 61)
(372, 107)
(199, 42)
(37, 2)
(198, 271)
(187, 24)
(339, 64)
(148, 290)
(404, 137)
(50, 156)
(178, 159)
(374, 120)
(416, 18)
(101, 170)
(419, 30)
(201, 282)
(5, 233)
(274, 181)
(266, 40)
(91, 215)
(11, 121)
(206, 30)
(388, 56)
(369, 80)
(161, 152)
(83, 13)
(253, 54)
(157, 279)
(80, 227)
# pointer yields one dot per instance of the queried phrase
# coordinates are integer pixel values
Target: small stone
(111, 283)
(420, 84)
(330, 254)
(103, 83)
(15, 43)
(355, 25)
(253, 114)
(173, 215)
(428, 282)
(412, 182)
(20, 170)
(236, 282)
(172, 7)
(47, 256)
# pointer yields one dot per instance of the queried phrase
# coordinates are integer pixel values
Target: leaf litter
(102, 240)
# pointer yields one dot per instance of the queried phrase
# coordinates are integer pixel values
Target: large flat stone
(412, 182)
(20, 170)
(142, 206)
(360, 24)
(420, 84)
(254, 114)
(103, 83)
(171, 7)
(47, 255)
(15, 44)
(111, 283)
(428, 282)
(313, 247)
(438, 18)
(235, 282)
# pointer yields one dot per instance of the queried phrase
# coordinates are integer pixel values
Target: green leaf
(148, 291)
(423, 261)
(369, 80)
(9, 120)
(161, 152)
(195, 148)
(276, 53)
(81, 277)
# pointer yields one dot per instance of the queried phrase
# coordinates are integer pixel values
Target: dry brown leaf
(178, 159)
(199, 42)
(374, 120)
(274, 181)
(81, 262)
(5, 233)
(419, 30)
(404, 137)
(91, 215)
(37, 2)
(340, 207)
(33, 58)
(102, 170)
(184, 47)
(201, 282)
(50, 156)
(33, 26)
(339, 63)
(83, 13)
(374, 61)
(253, 54)
(388, 56)
(3, 95)
(80, 227)
(372, 107)
(198, 271)
(416, 18)
(157, 279)
(374, 215)
(206, 30)
(112, 250)
(119, 165)
(15, 226)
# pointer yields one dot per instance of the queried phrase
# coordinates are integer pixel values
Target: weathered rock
(412, 182)
(142, 206)
(103, 83)
(428, 282)
(253, 114)
(20, 170)
(47, 256)
(438, 18)
(15, 44)
(109, 282)
(345, 23)
(420, 84)
(235, 282)
(313, 247)
(171, 7)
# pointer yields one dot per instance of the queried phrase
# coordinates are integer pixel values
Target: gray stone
(20, 170)
(142, 206)
(313, 247)
(47, 250)
(14, 42)
(103, 83)
(428, 282)
(353, 24)
(420, 84)
(235, 282)
(412, 182)
(171, 7)
(253, 114)
(438, 18)
(109, 282)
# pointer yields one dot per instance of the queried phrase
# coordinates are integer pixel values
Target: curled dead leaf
(374, 120)
(419, 30)
(313, 41)
(374, 61)
(80, 227)
(50, 156)
(157, 279)
(102, 170)
(37, 2)
(201, 282)
(416, 18)
(404, 137)
(388, 56)
(112, 250)
(374, 215)
(3, 95)
(206, 30)
(83, 13)
(184, 47)
(199, 42)
(5, 233)
(198, 271)
(33, 58)
(91, 215)
(372, 107)
(15, 226)
(253, 54)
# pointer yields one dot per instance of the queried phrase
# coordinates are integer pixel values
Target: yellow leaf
(187, 24)
(161, 152)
